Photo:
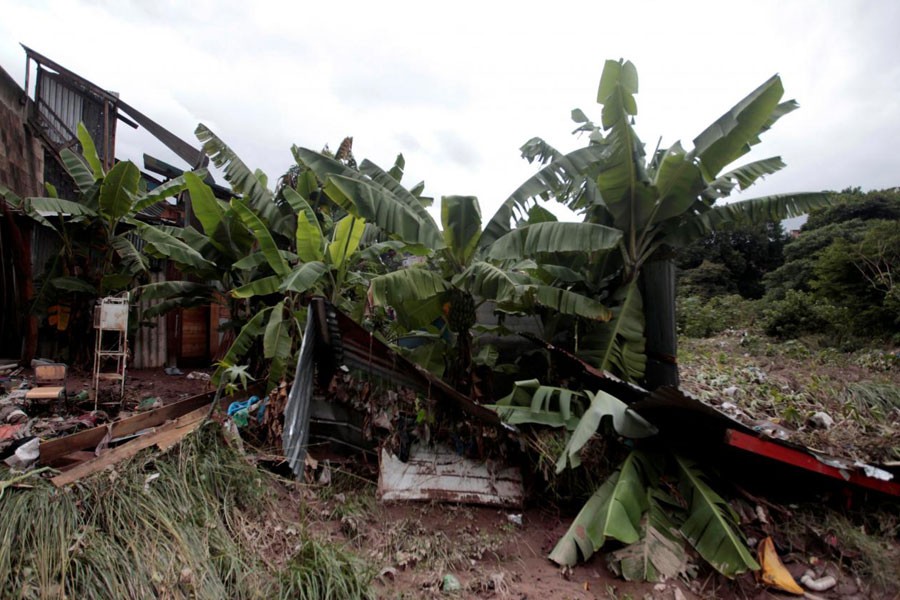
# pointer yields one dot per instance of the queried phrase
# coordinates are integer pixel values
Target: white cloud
(459, 87)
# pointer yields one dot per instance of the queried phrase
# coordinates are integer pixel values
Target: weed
(322, 570)
(868, 552)
(195, 522)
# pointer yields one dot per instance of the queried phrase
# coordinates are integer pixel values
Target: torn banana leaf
(660, 554)
(613, 512)
(533, 403)
(711, 526)
(626, 423)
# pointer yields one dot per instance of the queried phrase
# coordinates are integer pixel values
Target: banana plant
(97, 255)
(658, 203)
(263, 253)
(631, 507)
(460, 274)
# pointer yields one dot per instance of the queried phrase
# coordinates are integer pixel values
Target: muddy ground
(413, 547)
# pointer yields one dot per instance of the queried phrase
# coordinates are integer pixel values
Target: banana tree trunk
(657, 281)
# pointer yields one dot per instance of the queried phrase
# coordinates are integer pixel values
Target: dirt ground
(413, 547)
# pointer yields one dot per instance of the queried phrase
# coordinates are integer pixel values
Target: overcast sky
(458, 86)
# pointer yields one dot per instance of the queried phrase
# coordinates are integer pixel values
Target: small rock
(730, 390)
(822, 420)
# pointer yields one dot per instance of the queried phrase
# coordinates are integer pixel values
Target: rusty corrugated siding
(149, 348)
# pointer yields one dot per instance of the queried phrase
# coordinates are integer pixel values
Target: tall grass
(175, 526)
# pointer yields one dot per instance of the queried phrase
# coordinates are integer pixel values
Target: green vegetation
(196, 522)
(344, 230)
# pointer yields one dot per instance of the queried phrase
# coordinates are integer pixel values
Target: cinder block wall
(21, 154)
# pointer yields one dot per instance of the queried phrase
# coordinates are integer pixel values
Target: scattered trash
(817, 585)
(12, 413)
(874, 472)
(25, 455)
(730, 391)
(822, 420)
(772, 572)
(82, 396)
(173, 371)
(515, 519)
(449, 583)
(325, 475)
(150, 479)
(773, 430)
(8, 432)
(198, 375)
(240, 411)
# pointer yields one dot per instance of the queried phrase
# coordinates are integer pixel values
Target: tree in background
(838, 275)
(732, 259)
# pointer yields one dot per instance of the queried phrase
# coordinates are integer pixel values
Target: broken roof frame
(194, 157)
(333, 340)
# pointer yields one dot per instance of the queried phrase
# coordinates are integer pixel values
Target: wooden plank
(44, 393)
(442, 475)
(797, 458)
(165, 436)
(88, 439)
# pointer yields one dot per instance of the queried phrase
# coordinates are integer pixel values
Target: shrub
(699, 318)
(800, 313)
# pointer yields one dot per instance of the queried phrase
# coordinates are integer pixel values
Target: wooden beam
(165, 436)
(53, 450)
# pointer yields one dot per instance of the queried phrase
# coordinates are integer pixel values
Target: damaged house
(37, 122)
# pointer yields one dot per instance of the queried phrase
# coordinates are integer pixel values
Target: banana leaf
(618, 345)
(70, 283)
(310, 241)
(89, 150)
(304, 277)
(277, 342)
(711, 525)
(251, 330)
(117, 192)
(377, 205)
(247, 183)
(162, 243)
(568, 303)
(660, 554)
(461, 219)
(267, 243)
(613, 512)
(167, 289)
(532, 241)
(258, 287)
(529, 402)
(75, 166)
(625, 422)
